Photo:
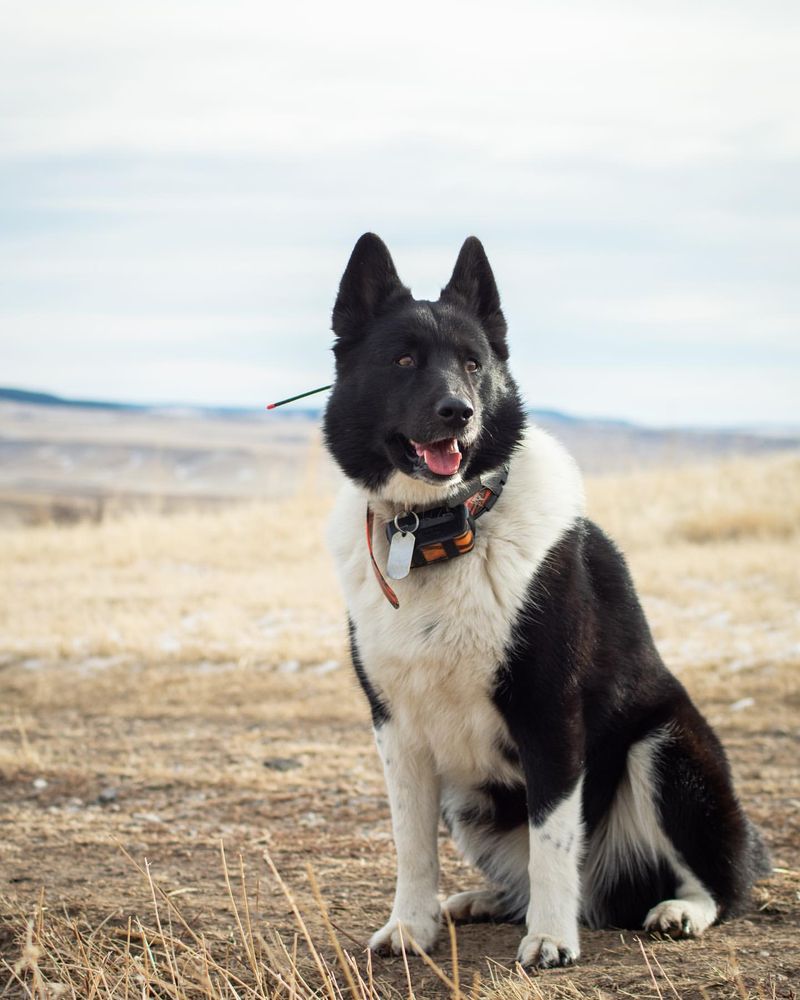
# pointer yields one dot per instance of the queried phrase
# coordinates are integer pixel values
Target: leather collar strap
(388, 593)
(478, 496)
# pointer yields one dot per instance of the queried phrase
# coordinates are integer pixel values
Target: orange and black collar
(443, 532)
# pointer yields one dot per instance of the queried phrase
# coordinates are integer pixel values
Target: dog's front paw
(540, 951)
(415, 932)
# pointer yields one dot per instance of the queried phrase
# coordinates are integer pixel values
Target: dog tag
(401, 549)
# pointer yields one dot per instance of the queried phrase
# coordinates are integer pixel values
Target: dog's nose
(454, 411)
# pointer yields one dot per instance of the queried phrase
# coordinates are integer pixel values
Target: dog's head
(422, 388)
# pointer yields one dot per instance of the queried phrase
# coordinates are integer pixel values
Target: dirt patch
(171, 781)
(117, 761)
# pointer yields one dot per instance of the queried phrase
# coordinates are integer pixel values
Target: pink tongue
(441, 457)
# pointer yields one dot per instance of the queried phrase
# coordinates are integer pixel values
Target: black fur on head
(419, 382)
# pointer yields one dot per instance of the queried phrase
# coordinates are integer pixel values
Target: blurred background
(180, 188)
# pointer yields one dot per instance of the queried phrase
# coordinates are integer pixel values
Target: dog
(514, 685)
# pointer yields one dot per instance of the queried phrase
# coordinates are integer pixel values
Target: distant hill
(31, 398)
(65, 459)
(47, 399)
(560, 423)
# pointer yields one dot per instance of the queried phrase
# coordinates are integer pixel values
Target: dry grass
(160, 661)
(160, 954)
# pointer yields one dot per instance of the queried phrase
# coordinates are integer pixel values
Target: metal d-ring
(407, 513)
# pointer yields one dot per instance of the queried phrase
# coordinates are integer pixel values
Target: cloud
(182, 185)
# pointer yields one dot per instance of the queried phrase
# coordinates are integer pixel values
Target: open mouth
(442, 458)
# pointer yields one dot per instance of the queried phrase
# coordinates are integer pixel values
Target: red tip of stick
(270, 406)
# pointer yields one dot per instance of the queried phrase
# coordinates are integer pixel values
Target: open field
(66, 463)
(69, 463)
(169, 683)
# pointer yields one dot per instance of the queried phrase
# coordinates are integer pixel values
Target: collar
(431, 541)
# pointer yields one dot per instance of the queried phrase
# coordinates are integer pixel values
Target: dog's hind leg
(715, 850)
(688, 915)
(671, 855)
(485, 824)
(479, 906)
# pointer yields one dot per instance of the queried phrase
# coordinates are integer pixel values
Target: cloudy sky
(181, 185)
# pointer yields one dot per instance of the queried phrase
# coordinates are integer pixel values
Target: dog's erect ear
(368, 285)
(473, 285)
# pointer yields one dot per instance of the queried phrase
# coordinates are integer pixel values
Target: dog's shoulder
(543, 499)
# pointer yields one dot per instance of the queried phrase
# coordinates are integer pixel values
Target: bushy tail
(759, 861)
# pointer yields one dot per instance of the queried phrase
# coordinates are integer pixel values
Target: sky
(181, 186)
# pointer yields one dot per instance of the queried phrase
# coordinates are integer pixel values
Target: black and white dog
(513, 681)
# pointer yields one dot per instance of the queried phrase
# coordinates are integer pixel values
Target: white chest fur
(434, 659)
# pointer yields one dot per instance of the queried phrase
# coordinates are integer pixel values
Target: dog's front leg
(414, 799)
(556, 838)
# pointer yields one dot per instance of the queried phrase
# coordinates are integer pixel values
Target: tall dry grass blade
(451, 930)
(28, 754)
(667, 979)
(340, 930)
(435, 968)
(301, 924)
(405, 962)
(207, 973)
(293, 968)
(522, 973)
(146, 953)
(29, 962)
(332, 979)
(249, 924)
(334, 939)
(76, 934)
(649, 968)
(15, 977)
(364, 990)
(128, 960)
(172, 970)
(226, 974)
(246, 941)
(736, 975)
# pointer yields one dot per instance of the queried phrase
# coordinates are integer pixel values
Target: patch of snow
(169, 644)
(324, 668)
(191, 621)
(148, 817)
(98, 663)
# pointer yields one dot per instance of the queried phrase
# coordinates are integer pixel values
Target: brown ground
(169, 684)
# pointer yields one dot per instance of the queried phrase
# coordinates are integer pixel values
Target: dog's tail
(759, 861)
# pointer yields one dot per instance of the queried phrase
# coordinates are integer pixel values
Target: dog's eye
(406, 361)
(472, 365)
